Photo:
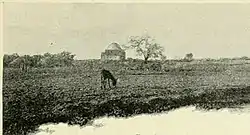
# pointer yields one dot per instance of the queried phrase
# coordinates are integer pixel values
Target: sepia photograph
(127, 68)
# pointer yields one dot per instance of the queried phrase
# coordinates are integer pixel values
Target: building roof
(114, 46)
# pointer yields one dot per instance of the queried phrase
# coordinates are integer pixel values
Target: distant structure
(113, 52)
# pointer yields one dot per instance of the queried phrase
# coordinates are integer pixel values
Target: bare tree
(145, 46)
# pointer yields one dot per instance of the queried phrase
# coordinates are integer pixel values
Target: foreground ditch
(22, 121)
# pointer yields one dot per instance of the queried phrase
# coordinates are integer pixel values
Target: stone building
(113, 52)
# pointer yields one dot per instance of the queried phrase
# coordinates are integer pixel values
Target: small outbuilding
(113, 52)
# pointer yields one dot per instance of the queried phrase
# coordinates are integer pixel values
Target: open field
(73, 95)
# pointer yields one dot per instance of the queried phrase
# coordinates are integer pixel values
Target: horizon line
(168, 58)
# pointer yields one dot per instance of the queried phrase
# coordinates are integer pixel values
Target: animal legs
(102, 83)
(109, 83)
(102, 87)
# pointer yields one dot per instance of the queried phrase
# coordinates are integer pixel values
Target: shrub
(46, 60)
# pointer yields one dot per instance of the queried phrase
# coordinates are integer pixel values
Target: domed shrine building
(113, 52)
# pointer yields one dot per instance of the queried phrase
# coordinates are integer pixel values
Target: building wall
(113, 55)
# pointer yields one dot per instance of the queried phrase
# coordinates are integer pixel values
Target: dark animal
(106, 76)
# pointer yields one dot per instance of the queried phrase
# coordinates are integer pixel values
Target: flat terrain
(73, 95)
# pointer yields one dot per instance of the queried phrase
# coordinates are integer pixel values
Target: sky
(85, 29)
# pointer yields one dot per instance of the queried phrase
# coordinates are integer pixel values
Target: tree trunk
(146, 60)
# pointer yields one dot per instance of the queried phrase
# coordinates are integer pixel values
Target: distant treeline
(65, 59)
(44, 60)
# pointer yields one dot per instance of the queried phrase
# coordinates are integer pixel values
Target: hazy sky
(206, 30)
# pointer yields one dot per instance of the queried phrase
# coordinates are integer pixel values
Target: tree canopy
(145, 46)
(45, 60)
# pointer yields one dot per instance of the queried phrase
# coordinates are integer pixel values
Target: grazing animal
(106, 76)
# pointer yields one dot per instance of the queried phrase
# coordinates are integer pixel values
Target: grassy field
(73, 95)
